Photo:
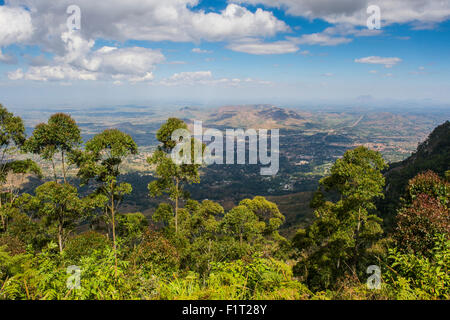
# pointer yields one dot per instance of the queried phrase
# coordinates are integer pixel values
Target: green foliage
(59, 135)
(428, 183)
(337, 242)
(433, 154)
(424, 215)
(256, 279)
(197, 250)
(155, 255)
(103, 155)
(413, 276)
(85, 244)
(131, 226)
(101, 161)
(172, 177)
(60, 207)
(12, 140)
(241, 223)
(266, 212)
(12, 245)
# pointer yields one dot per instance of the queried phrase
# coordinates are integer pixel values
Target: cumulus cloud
(15, 25)
(80, 62)
(151, 20)
(387, 62)
(255, 46)
(418, 12)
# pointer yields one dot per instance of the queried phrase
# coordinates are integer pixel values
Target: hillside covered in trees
(432, 154)
(60, 243)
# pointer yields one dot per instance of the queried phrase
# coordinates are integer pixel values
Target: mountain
(433, 154)
(257, 116)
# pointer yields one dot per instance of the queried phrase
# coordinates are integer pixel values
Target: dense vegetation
(196, 249)
(432, 154)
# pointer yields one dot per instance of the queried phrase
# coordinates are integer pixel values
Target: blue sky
(292, 52)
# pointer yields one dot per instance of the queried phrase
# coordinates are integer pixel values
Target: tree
(344, 229)
(60, 135)
(59, 206)
(425, 214)
(131, 226)
(171, 177)
(267, 212)
(101, 161)
(201, 229)
(243, 224)
(12, 140)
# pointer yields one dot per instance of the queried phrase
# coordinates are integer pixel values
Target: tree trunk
(1, 215)
(63, 167)
(176, 207)
(60, 238)
(355, 250)
(113, 228)
(54, 171)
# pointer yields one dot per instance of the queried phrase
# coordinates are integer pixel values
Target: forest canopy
(59, 242)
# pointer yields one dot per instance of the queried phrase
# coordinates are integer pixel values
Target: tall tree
(12, 140)
(60, 135)
(59, 206)
(172, 177)
(101, 161)
(344, 229)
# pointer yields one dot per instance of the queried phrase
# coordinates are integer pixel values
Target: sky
(205, 52)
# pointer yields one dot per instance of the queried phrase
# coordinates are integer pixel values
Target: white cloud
(16, 75)
(418, 12)
(198, 50)
(57, 73)
(81, 63)
(387, 62)
(15, 25)
(191, 76)
(128, 61)
(328, 74)
(235, 22)
(322, 39)
(151, 20)
(254, 46)
(206, 78)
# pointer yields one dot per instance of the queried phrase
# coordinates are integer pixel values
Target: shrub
(84, 245)
(155, 255)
